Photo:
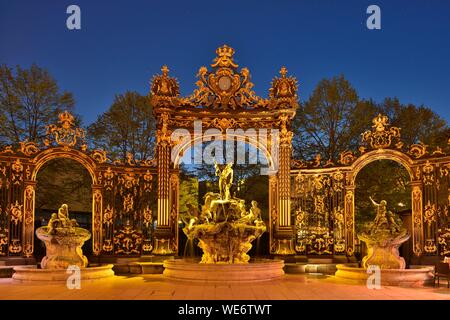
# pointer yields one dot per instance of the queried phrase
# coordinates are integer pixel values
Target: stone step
(17, 261)
(6, 271)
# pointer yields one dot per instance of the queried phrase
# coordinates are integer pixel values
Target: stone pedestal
(63, 249)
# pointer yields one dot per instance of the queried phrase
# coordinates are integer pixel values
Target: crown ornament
(66, 119)
(224, 58)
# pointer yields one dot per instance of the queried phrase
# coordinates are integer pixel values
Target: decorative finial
(283, 72)
(224, 57)
(380, 122)
(165, 70)
(66, 118)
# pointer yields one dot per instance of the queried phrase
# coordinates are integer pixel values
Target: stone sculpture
(223, 227)
(63, 240)
(383, 238)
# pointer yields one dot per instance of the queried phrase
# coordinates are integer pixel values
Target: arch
(382, 154)
(62, 153)
(188, 143)
(87, 162)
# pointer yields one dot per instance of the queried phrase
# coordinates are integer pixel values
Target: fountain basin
(32, 273)
(419, 276)
(258, 270)
(63, 248)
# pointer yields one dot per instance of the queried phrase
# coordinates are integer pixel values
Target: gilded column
(284, 229)
(174, 206)
(97, 213)
(417, 217)
(164, 233)
(273, 211)
(349, 219)
(28, 212)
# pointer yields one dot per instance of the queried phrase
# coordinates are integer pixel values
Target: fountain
(225, 231)
(63, 239)
(383, 238)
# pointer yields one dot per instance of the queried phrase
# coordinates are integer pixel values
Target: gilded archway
(223, 100)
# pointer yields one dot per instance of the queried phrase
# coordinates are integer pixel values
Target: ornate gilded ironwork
(382, 135)
(18, 172)
(127, 241)
(124, 192)
(418, 150)
(65, 133)
(224, 87)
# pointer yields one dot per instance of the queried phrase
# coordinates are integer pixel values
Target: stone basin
(419, 276)
(191, 270)
(32, 273)
(63, 249)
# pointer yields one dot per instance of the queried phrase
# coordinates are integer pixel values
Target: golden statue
(224, 228)
(225, 180)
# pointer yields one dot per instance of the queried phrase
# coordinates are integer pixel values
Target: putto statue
(383, 237)
(63, 240)
(224, 227)
(61, 220)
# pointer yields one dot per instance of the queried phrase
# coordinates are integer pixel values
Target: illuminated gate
(324, 194)
(223, 101)
(311, 203)
(121, 193)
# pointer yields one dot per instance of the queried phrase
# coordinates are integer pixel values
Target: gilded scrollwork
(28, 148)
(382, 134)
(99, 156)
(65, 133)
(418, 150)
(127, 241)
(16, 213)
(3, 241)
(17, 172)
(108, 215)
(428, 174)
(7, 150)
(347, 158)
(444, 242)
(224, 87)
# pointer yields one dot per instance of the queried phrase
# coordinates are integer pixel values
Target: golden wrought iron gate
(311, 203)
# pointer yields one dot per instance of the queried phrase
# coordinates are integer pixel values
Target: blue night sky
(123, 43)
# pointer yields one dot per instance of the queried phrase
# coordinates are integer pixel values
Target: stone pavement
(156, 287)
